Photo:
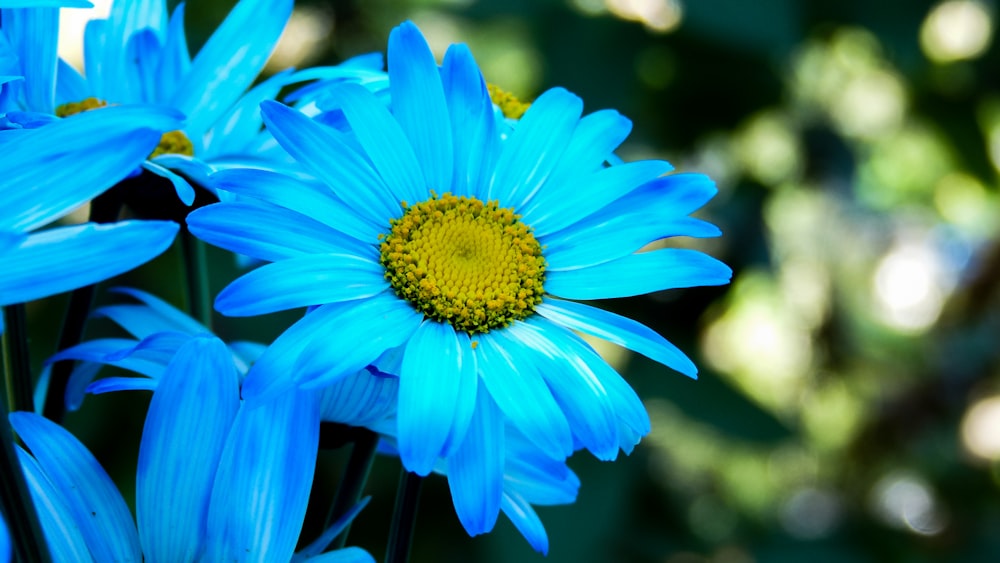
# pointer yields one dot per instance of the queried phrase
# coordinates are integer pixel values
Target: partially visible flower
(466, 254)
(215, 481)
(50, 172)
(6, 547)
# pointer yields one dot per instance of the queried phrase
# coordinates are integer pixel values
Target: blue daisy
(201, 457)
(52, 171)
(466, 253)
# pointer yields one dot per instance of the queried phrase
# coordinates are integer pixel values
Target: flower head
(434, 235)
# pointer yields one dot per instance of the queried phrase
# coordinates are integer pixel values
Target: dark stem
(103, 209)
(15, 500)
(16, 363)
(359, 465)
(196, 278)
(404, 516)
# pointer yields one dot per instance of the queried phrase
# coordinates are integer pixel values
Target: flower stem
(359, 465)
(196, 278)
(404, 516)
(15, 501)
(103, 209)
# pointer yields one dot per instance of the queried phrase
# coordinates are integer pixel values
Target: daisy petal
(66, 258)
(534, 150)
(428, 394)
(165, 317)
(638, 274)
(262, 487)
(112, 384)
(344, 555)
(521, 393)
(467, 375)
(418, 103)
(277, 233)
(34, 33)
(62, 535)
(186, 426)
(70, 85)
(476, 143)
(524, 518)
(475, 470)
(312, 279)
(91, 497)
(185, 192)
(619, 330)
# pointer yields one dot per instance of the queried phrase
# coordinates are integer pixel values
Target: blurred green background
(848, 407)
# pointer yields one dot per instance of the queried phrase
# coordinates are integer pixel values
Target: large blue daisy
(431, 237)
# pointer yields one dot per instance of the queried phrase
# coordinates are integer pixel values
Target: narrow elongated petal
(164, 316)
(299, 282)
(428, 394)
(34, 33)
(521, 393)
(618, 329)
(95, 503)
(383, 141)
(70, 85)
(323, 152)
(345, 555)
(636, 274)
(45, 4)
(265, 475)
(186, 427)
(418, 103)
(476, 144)
(230, 61)
(175, 61)
(56, 169)
(536, 146)
(360, 399)
(524, 518)
(475, 470)
(62, 259)
(465, 403)
(269, 232)
(62, 535)
(111, 384)
(184, 191)
(309, 552)
(578, 391)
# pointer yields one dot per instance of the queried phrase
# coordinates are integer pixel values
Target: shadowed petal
(475, 470)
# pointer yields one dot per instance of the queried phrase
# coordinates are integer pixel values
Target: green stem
(404, 517)
(359, 465)
(15, 500)
(196, 278)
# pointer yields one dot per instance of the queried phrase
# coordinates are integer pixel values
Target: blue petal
(384, 142)
(265, 475)
(100, 350)
(323, 541)
(596, 135)
(91, 497)
(322, 151)
(307, 198)
(140, 83)
(161, 346)
(243, 121)
(620, 330)
(112, 384)
(45, 4)
(428, 394)
(475, 470)
(521, 393)
(34, 33)
(175, 61)
(62, 259)
(476, 144)
(465, 402)
(536, 146)
(668, 197)
(268, 232)
(230, 61)
(186, 427)
(576, 388)
(524, 518)
(58, 168)
(62, 535)
(184, 191)
(360, 399)
(345, 555)
(97, 58)
(70, 85)
(340, 339)
(637, 274)
(299, 282)
(592, 192)
(164, 316)
(130, 17)
(418, 104)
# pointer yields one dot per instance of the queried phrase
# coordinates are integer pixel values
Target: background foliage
(847, 408)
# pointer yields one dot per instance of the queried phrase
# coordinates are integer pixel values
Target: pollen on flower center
(459, 260)
(507, 102)
(172, 142)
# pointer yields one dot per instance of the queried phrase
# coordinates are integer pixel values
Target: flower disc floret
(172, 142)
(508, 103)
(462, 261)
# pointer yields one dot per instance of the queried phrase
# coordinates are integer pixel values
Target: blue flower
(201, 458)
(466, 253)
(140, 55)
(48, 173)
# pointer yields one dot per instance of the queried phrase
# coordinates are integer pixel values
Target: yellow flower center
(507, 102)
(172, 142)
(459, 260)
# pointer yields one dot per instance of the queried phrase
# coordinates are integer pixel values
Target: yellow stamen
(74, 108)
(507, 102)
(459, 260)
(173, 142)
